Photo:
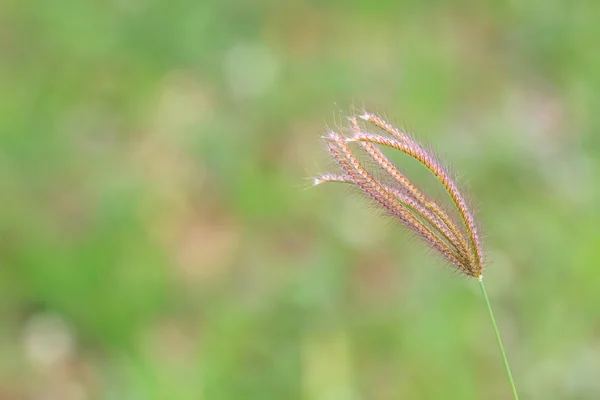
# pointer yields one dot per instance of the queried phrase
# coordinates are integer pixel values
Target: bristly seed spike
(404, 201)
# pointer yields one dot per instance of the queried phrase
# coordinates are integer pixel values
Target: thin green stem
(489, 307)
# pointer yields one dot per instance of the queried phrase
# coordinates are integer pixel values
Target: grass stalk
(506, 366)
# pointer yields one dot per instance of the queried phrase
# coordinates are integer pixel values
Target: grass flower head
(457, 241)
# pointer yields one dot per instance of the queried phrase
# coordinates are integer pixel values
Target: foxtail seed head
(456, 240)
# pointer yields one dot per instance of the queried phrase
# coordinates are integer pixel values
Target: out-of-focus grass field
(158, 241)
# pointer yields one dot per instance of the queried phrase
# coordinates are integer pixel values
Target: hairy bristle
(458, 242)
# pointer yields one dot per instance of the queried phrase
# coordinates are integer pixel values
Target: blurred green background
(159, 240)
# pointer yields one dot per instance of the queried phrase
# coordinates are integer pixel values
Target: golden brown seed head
(455, 239)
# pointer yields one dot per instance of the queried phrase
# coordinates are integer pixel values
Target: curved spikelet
(456, 241)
